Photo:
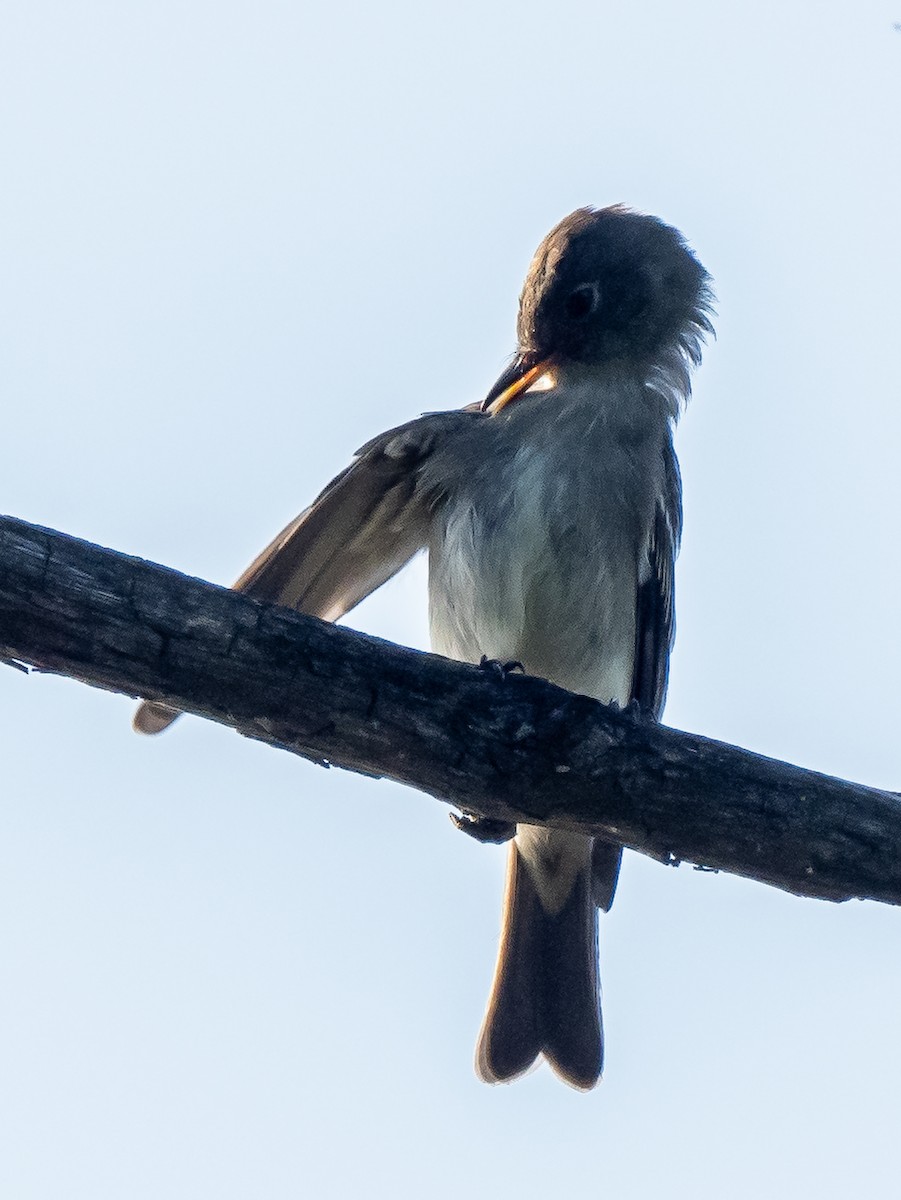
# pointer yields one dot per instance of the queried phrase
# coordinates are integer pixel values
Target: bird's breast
(535, 556)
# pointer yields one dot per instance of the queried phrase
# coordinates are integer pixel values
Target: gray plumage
(552, 519)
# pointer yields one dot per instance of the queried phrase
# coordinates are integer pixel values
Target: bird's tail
(153, 717)
(545, 998)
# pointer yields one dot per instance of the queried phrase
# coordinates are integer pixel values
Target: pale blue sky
(236, 240)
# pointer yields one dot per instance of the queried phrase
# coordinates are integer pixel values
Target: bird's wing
(655, 626)
(362, 528)
(655, 629)
(359, 531)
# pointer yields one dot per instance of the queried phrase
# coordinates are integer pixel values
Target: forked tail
(545, 998)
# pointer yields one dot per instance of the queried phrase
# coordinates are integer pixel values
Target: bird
(551, 513)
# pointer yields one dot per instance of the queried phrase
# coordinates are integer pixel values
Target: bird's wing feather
(655, 624)
(655, 629)
(361, 529)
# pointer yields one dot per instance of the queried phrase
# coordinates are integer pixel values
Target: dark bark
(506, 747)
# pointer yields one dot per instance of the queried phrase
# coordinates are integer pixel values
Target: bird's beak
(525, 369)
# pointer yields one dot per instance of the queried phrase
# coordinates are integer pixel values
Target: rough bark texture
(513, 748)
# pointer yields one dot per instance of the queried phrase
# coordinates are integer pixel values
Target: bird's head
(604, 286)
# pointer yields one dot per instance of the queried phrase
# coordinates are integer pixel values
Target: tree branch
(512, 748)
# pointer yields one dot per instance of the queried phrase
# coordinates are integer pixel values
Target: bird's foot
(499, 669)
(484, 829)
(633, 711)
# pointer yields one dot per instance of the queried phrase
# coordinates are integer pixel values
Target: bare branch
(507, 748)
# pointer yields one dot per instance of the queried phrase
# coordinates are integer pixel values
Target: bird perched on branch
(551, 513)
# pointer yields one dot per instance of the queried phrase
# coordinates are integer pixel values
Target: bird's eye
(582, 302)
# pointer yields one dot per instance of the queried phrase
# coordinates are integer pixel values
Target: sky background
(236, 241)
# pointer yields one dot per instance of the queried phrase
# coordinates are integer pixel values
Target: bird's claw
(484, 829)
(500, 669)
(633, 711)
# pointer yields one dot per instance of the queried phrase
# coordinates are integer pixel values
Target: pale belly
(556, 595)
